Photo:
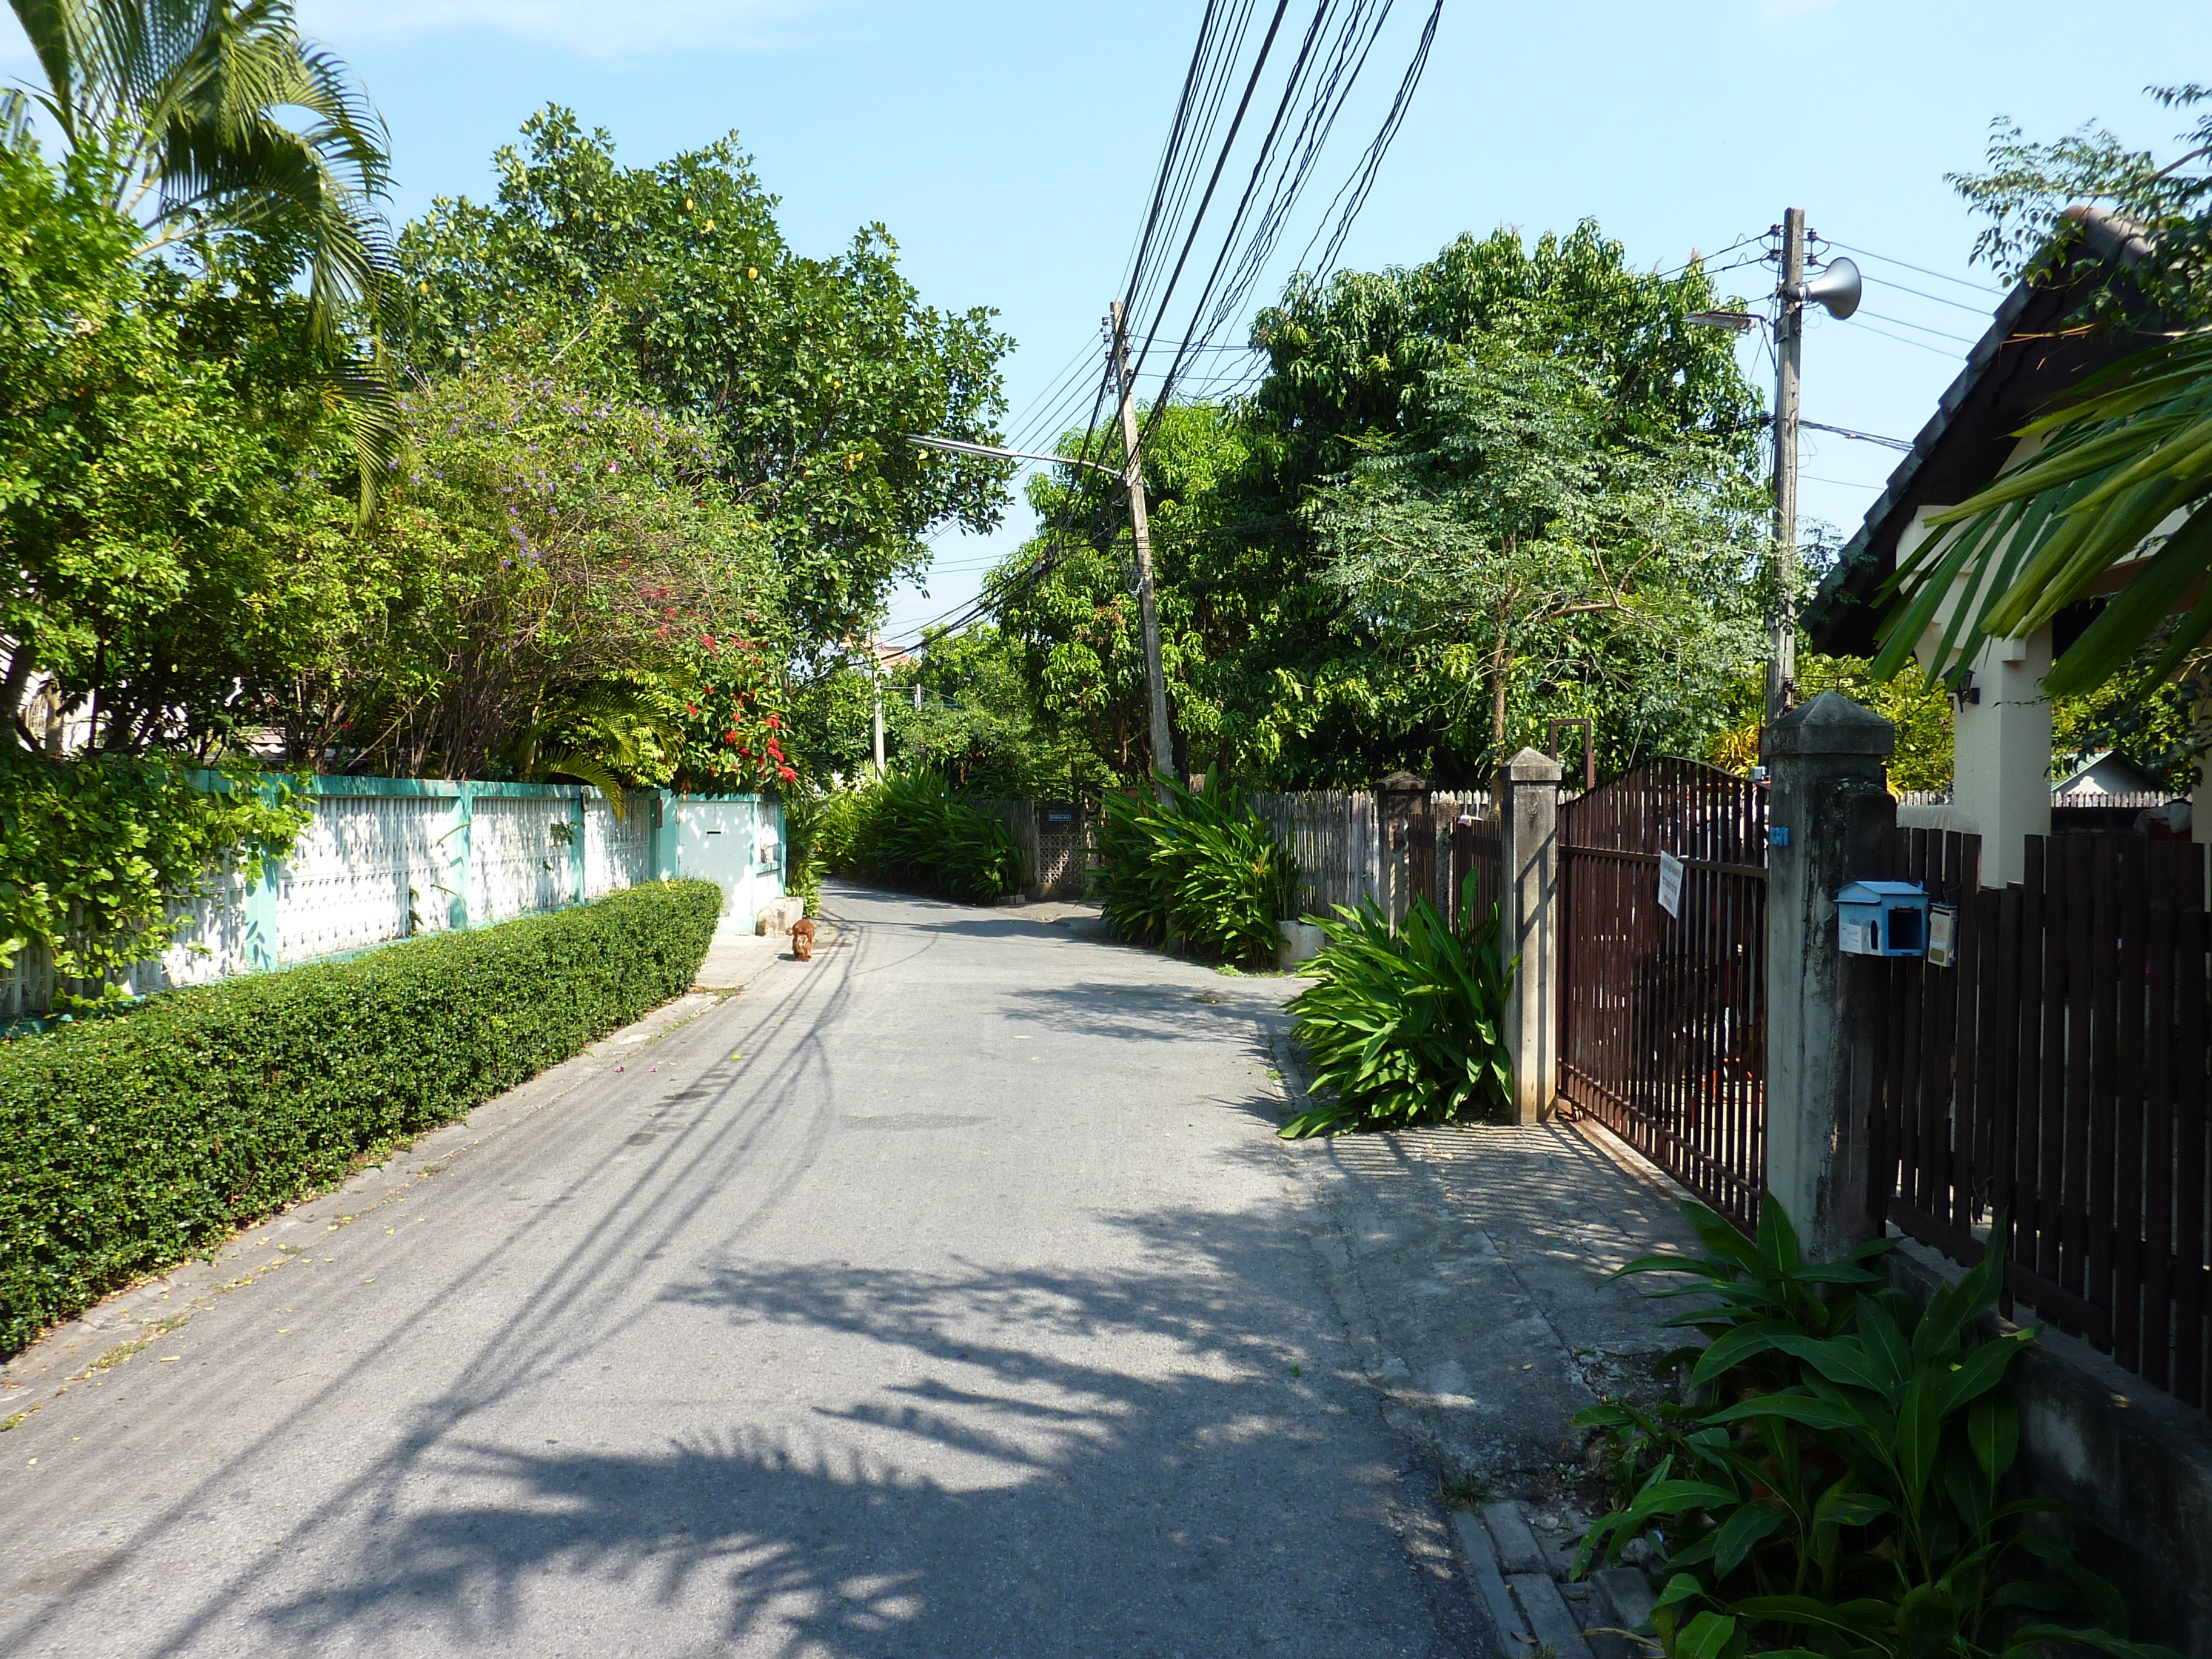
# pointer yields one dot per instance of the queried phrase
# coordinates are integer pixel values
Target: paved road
(947, 1297)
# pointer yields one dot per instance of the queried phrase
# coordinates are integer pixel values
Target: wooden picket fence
(1347, 854)
(2058, 1074)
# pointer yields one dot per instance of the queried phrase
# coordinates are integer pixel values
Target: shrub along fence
(134, 1140)
(387, 858)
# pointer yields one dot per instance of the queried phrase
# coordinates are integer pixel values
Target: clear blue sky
(1009, 148)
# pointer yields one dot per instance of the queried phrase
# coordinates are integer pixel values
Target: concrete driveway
(947, 1295)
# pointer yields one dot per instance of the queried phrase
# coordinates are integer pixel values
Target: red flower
(786, 774)
(774, 724)
(691, 708)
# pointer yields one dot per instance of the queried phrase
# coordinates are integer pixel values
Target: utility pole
(1148, 611)
(876, 651)
(1788, 340)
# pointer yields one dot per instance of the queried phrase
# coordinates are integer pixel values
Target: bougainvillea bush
(733, 735)
(554, 577)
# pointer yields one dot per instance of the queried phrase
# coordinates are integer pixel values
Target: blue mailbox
(1882, 918)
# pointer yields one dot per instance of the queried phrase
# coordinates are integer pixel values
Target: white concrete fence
(385, 859)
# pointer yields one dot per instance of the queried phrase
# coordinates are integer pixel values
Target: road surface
(948, 1296)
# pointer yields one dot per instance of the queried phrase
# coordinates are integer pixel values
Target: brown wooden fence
(1473, 856)
(2058, 1072)
(1662, 1017)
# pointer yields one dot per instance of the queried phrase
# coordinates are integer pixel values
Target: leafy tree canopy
(1322, 602)
(557, 584)
(807, 374)
(162, 581)
(1508, 543)
(2030, 183)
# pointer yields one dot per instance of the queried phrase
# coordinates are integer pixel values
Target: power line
(1917, 345)
(1341, 59)
(1704, 259)
(1889, 287)
(1901, 322)
(1863, 437)
(1907, 264)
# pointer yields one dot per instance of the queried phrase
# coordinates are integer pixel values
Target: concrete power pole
(1788, 340)
(1148, 611)
(876, 651)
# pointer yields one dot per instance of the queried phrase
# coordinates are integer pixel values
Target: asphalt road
(947, 1295)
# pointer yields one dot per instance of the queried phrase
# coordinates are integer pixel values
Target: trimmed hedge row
(126, 1144)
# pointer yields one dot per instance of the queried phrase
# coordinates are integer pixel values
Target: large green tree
(1285, 662)
(170, 543)
(1513, 552)
(807, 373)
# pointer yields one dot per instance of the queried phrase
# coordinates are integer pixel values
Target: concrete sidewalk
(1473, 1265)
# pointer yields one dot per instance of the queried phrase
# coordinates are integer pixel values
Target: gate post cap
(1832, 724)
(1530, 766)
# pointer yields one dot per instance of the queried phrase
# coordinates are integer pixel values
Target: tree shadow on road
(1170, 1457)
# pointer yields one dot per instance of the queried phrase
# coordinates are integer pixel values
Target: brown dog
(802, 939)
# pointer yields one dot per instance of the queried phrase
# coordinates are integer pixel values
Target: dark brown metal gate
(1662, 1018)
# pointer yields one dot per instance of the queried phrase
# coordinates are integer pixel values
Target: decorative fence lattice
(385, 859)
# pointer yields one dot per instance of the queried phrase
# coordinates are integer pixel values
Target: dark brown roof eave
(1967, 441)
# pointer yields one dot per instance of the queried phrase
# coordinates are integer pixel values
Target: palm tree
(183, 104)
(2129, 449)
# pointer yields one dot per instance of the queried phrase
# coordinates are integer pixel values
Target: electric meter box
(1882, 918)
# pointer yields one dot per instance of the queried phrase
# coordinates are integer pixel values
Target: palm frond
(587, 771)
(2124, 479)
(198, 105)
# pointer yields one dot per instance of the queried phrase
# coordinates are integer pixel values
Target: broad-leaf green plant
(1404, 1026)
(1205, 869)
(911, 830)
(101, 858)
(1839, 1490)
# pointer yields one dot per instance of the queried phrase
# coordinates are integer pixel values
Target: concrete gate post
(1527, 796)
(1830, 815)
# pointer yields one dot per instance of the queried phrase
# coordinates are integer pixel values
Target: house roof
(2106, 771)
(2026, 358)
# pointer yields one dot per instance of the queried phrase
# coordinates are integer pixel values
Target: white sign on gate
(1670, 884)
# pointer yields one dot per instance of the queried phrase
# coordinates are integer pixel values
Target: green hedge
(910, 831)
(126, 1144)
